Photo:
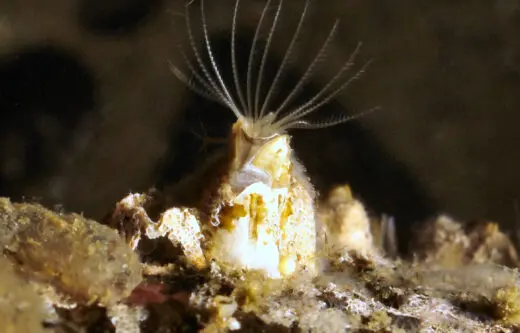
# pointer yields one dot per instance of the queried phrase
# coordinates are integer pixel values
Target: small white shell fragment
(133, 205)
(126, 319)
(233, 324)
(181, 226)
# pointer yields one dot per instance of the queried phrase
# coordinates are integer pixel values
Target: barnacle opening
(251, 102)
(258, 159)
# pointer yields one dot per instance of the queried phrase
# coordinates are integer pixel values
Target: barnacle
(261, 209)
(349, 229)
(258, 217)
(448, 243)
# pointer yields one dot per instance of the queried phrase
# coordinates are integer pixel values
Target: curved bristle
(198, 57)
(236, 77)
(264, 59)
(333, 121)
(254, 105)
(193, 86)
(313, 104)
(310, 70)
(286, 58)
(206, 90)
(346, 66)
(251, 58)
(214, 64)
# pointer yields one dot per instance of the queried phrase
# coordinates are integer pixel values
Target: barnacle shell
(446, 242)
(262, 215)
(346, 221)
(180, 225)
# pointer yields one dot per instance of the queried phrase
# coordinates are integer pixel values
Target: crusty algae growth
(21, 308)
(459, 281)
(83, 260)
(359, 288)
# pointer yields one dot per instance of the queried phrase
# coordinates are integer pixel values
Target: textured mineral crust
(21, 308)
(85, 261)
(359, 287)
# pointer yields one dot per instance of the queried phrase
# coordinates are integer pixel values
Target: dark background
(89, 110)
